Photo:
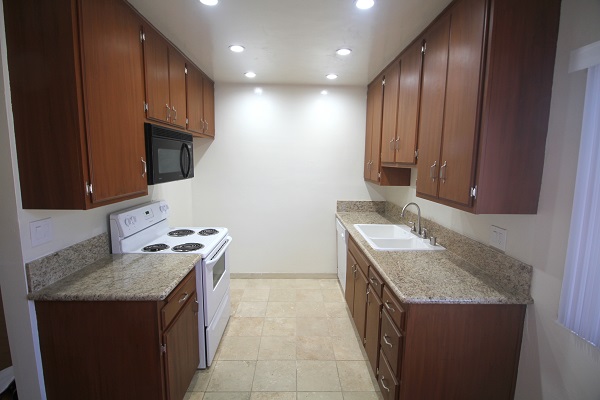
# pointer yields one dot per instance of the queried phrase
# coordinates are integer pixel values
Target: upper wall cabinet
(76, 77)
(200, 103)
(486, 88)
(165, 80)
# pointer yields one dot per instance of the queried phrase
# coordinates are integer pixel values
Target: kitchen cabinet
(374, 307)
(487, 80)
(200, 103)
(120, 349)
(165, 80)
(390, 113)
(77, 67)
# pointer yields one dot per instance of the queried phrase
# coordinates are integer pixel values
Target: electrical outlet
(498, 237)
(40, 231)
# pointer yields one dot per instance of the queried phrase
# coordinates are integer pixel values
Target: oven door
(215, 271)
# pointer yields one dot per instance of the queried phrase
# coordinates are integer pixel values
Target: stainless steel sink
(388, 237)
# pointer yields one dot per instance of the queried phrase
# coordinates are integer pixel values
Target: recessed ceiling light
(236, 48)
(250, 74)
(343, 52)
(364, 4)
(331, 76)
(209, 2)
(324, 92)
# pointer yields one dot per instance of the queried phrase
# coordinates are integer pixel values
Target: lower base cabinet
(120, 349)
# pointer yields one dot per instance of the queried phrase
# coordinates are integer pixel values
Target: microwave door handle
(185, 151)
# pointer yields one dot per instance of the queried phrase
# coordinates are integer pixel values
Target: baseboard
(269, 275)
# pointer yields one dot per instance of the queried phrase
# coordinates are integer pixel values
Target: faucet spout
(418, 215)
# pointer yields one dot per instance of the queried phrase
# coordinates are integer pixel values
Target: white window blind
(579, 308)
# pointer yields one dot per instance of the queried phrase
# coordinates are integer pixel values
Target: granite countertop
(121, 277)
(433, 276)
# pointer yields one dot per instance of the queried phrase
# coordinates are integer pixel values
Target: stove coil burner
(153, 248)
(208, 232)
(187, 247)
(181, 232)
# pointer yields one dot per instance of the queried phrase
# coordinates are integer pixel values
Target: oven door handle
(220, 250)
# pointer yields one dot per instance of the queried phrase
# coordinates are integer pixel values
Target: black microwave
(170, 154)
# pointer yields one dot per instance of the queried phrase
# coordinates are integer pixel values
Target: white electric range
(145, 229)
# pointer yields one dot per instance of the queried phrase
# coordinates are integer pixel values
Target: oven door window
(218, 271)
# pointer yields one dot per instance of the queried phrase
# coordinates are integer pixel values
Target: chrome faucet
(418, 230)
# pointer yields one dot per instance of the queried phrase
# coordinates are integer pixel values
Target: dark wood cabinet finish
(117, 349)
(388, 383)
(375, 282)
(393, 308)
(200, 103)
(360, 304)
(391, 343)
(5, 360)
(372, 328)
(390, 113)
(78, 64)
(208, 91)
(177, 92)
(351, 271)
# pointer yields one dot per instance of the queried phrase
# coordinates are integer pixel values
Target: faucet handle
(424, 233)
(412, 226)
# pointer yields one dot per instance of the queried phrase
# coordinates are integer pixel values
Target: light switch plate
(40, 231)
(498, 237)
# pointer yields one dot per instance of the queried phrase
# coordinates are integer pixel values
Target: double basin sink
(387, 237)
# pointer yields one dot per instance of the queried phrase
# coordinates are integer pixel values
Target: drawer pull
(184, 297)
(385, 339)
(387, 305)
(374, 282)
(383, 384)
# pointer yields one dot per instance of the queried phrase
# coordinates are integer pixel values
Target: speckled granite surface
(122, 277)
(361, 206)
(49, 269)
(467, 272)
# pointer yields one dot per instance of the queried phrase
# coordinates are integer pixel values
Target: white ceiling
(290, 41)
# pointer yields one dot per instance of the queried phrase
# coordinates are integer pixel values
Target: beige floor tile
(314, 348)
(258, 283)
(336, 310)
(311, 295)
(278, 294)
(238, 284)
(282, 283)
(279, 327)
(341, 327)
(227, 396)
(317, 376)
(251, 309)
(347, 348)
(307, 309)
(236, 294)
(277, 348)
(355, 376)
(245, 326)
(193, 396)
(273, 396)
(200, 380)
(307, 283)
(239, 348)
(333, 295)
(274, 376)
(362, 396)
(320, 396)
(329, 283)
(312, 327)
(281, 309)
(234, 376)
(258, 294)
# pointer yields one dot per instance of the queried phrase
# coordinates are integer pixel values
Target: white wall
(273, 175)
(555, 364)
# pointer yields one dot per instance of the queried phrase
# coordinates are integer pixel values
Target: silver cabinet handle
(184, 297)
(391, 146)
(383, 384)
(173, 108)
(387, 305)
(398, 143)
(203, 124)
(168, 112)
(443, 172)
(385, 339)
(206, 122)
(145, 167)
(374, 282)
(432, 171)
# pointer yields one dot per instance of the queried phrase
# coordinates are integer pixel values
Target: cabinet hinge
(378, 175)
(474, 192)
(417, 153)
(142, 36)
(364, 340)
(187, 121)
(185, 69)
(377, 370)
(424, 48)
(145, 106)
(88, 188)
(163, 348)
(383, 82)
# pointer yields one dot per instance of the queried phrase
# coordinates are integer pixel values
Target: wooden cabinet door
(360, 303)
(433, 91)
(390, 112)
(195, 101)
(462, 101)
(177, 87)
(408, 103)
(113, 96)
(376, 135)
(351, 268)
(369, 131)
(373, 324)
(182, 350)
(156, 61)
(209, 106)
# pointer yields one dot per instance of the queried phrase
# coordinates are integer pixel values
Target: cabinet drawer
(178, 297)
(362, 261)
(387, 381)
(393, 308)
(391, 342)
(376, 282)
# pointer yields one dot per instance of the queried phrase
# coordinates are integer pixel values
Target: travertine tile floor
(287, 339)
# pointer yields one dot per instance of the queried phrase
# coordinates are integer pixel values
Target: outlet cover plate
(40, 231)
(498, 237)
